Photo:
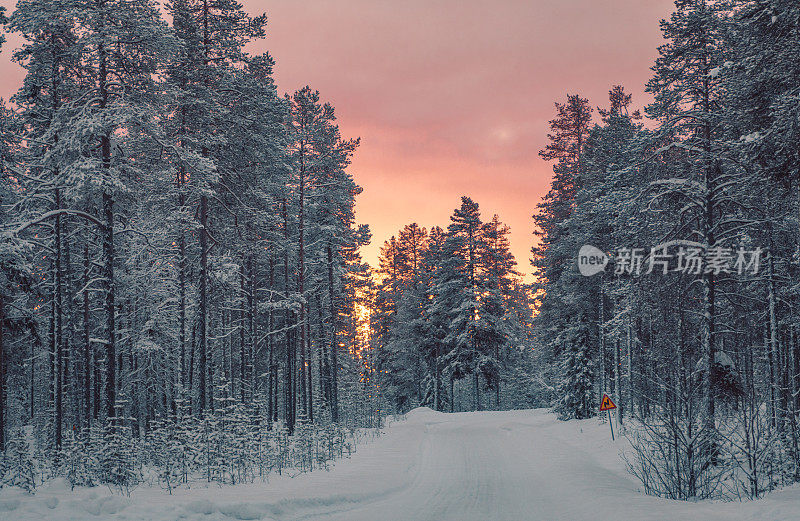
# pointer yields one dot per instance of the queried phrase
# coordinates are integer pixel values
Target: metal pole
(611, 425)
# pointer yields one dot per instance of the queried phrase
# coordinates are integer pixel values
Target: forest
(183, 296)
(179, 252)
(702, 356)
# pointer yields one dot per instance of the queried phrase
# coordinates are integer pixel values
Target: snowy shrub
(79, 460)
(166, 451)
(119, 462)
(675, 458)
(233, 444)
(18, 468)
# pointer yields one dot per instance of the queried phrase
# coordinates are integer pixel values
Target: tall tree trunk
(97, 400)
(617, 370)
(323, 367)
(272, 383)
(3, 375)
(203, 325)
(110, 307)
(774, 354)
(773, 408)
(499, 379)
(71, 368)
(32, 383)
(182, 279)
(242, 301)
(301, 282)
(192, 352)
(52, 341)
(309, 386)
(333, 366)
(227, 342)
(289, 333)
(59, 330)
(437, 384)
(629, 368)
(108, 243)
(204, 367)
(601, 344)
(252, 305)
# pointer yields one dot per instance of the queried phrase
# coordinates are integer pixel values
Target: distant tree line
(451, 317)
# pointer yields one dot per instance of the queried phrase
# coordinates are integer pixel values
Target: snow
(749, 138)
(723, 359)
(487, 466)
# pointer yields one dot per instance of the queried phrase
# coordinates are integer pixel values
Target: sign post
(606, 405)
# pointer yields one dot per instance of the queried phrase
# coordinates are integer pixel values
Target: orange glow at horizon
(363, 328)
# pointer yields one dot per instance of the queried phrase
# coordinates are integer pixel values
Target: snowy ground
(519, 465)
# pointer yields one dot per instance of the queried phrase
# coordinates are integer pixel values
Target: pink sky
(450, 97)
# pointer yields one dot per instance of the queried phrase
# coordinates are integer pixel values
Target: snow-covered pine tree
(18, 327)
(323, 201)
(499, 324)
(400, 316)
(433, 346)
(562, 335)
(50, 54)
(761, 123)
(121, 46)
(342, 258)
(405, 370)
(608, 181)
(462, 287)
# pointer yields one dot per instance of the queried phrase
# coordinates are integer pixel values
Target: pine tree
(608, 175)
(402, 321)
(463, 246)
(498, 323)
(569, 130)
(437, 322)
(563, 334)
(151, 166)
(51, 53)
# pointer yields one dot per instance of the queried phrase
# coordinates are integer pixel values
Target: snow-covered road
(484, 466)
(518, 465)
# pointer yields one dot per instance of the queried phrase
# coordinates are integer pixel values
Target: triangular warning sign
(607, 404)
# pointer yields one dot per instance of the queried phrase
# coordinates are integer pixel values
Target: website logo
(672, 257)
(591, 260)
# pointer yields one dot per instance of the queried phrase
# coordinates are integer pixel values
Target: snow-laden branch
(56, 213)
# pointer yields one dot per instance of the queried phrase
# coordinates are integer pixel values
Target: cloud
(453, 97)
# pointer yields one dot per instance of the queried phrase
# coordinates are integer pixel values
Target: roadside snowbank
(514, 466)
